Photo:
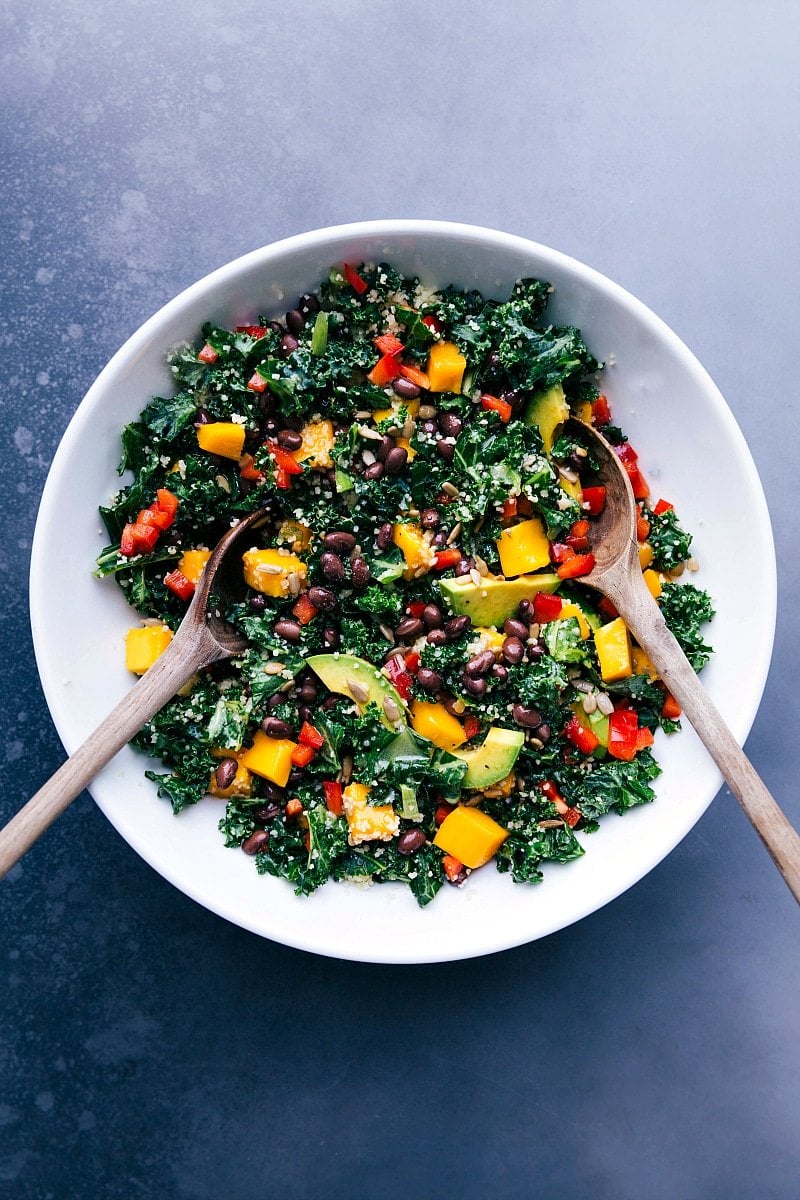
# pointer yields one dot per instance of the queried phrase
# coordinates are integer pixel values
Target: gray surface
(148, 1048)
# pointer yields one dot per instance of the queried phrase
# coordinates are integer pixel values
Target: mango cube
(446, 366)
(642, 664)
(225, 438)
(384, 414)
(242, 782)
(296, 533)
(434, 722)
(572, 610)
(143, 645)
(524, 547)
(318, 439)
(271, 758)
(192, 562)
(268, 571)
(367, 822)
(405, 444)
(613, 645)
(470, 836)
(645, 555)
(653, 581)
(415, 547)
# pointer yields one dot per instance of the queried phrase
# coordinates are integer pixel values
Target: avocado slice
(362, 682)
(548, 410)
(493, 601)
(493, 759)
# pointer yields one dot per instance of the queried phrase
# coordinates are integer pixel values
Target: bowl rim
(405, 227)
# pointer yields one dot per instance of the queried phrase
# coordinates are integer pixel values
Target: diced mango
(613, 645)
(242, 783)
(572, 488)
(583, 411)
(225, 438)
(446, 366)
(318, 439)
(432, 721)
(489, 639)
(415, 547)
(470, 836)
(144, 644)
(271, 758)
(572, 610)
(653, 581)
(523, 547)
(645, 555)
(406, 445)
(642, 664)
(268, 571)
(295, 533)
(367, 822)
(192, 562)
(411, 407)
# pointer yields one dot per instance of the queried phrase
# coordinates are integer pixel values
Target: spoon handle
(643, 617)
(176, 665)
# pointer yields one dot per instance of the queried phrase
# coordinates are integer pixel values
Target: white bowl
(693, 453)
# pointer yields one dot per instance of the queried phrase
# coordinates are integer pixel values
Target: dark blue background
(148, 1049)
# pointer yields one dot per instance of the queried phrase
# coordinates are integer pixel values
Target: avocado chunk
(362, 682)
(493, 759)
(548, 410)
(493, 601)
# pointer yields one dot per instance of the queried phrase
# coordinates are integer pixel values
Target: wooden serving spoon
(203, 637)
(617, 575)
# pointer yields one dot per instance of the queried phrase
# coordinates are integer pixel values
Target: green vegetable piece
(362, 682)
(319, 334)
(493, 601)
(493, 759)
(548, 410)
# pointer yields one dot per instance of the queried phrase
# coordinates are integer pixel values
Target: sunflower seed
(273, 668)
(605, 704)
(391, 709)
(449, 489)
(357, 690)
(454, 533)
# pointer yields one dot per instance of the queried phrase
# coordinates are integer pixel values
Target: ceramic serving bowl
(692, 451)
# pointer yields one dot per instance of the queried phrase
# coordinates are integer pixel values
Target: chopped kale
(670, 541)
(686, 608)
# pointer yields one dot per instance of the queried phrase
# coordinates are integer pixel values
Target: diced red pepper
(333, 797)
(396, 671)
(416, 608)
(138, 539)
(578, 544)
(442, 813)
(253, 331)
(433, 323)
(644, 738)
(623, 734)
(412, 661)
(670, 708)
(415, 375)
(546, 607)
(208, 354)
(583, 738)
(663, 506)
(385, 370)
(309, 736)
(127, 543)
(594, 500)
(472, 726)
(580, 528)
(257, 383)
(452, 867)
(550, 790)
(601, 412)
(630, 461)
(387, 343)
(578, 537)
(302, 755)
(177, 582)
(167, 501)
(609, 610)
(447, 558)
(354, 279)
(573, 568)
(560, 552)
(283, 479)
(498, 405)
(249, 470)
(304, 610)
(509, 510)
(154, 516)
(572, 816)
(293, 808)
(642, 529)
(284, 460)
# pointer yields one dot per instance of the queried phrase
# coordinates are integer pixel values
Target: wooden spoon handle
(178, 663)
(643, 617)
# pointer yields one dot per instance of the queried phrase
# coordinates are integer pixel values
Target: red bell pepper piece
(447, 558)
(452, 867)
(283, 479)
(304, 610)
(594, 500)
(573, 568)
(309, 736)
(433, 323)
(509, 510)
(644, 738)
(253, 331)
(302, 755)
(284, 460)
(572, 816)
(127, 542)
(546, 607)
(155, 517)
(415, 375)
(601, 412)
(138, 539)
(642, 529)
(412, 661)
(442, 812)
(257, 383)
(578, 537)
(177, 582)
(249, 470)
(167, 501)
(416, 608)
(670, 708)
(560, 552)
(333, 797)
(608, 609)
(208, 354)
(352, 276)
(385, 370)
(582, 738)
(496, 404)
(662, 506)
(402, 680)
(387, 343)
(550, 790)
(630, 461)
(472, 725)
(623, 734)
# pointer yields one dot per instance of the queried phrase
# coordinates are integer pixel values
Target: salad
(427, 687)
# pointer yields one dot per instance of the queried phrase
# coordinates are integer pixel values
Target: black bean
(331, 637)
(295, 423)
(289, 439)
(329, 702)
(529, 717)
(274, 701)
(535, 652)
(396, 460)
(322, 598)
(479, 664)
(411, 627)
(543, 732)
(463, 566)
(308, 691)
(295, 321)
(432, 616)
(429, 518)
(275, 728)
(276, 327)
(271, 791)
(202, 416)
(515, 398)
(267, 812)
(384, 536)
(288, 344)
(437, 637)
(450, 424)
(270, 428)
(500, 672)
(525, 611)
(473, 687)
(405, 388)
(295, 777)
(446, 449)
(384, 448)
(430, 427)
(288, 629)
(257, 841)
(339, 542)
(428, 680)
(374, 471)
(439, 539)
(226, 773)
(410, 841)
(456, 627)
(360, 573)
(257, 603)
(513, 650)
(332, 567)
(517, 629)
(454, 706)
(308, 303)
(305, 713)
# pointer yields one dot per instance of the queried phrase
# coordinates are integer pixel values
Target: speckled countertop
(148, 1048)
